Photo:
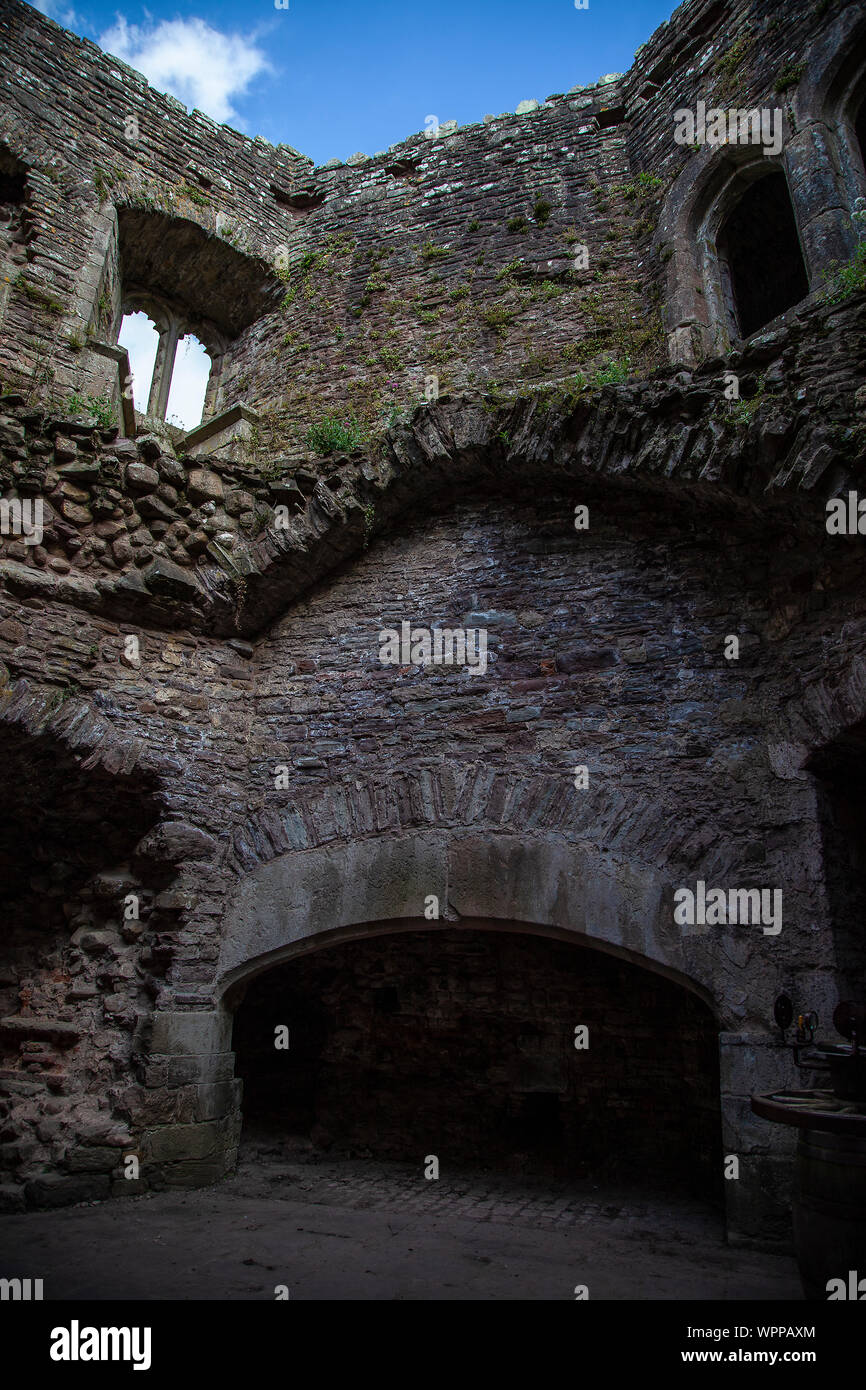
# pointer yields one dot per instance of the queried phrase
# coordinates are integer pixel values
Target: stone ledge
(235, 423)
(40, 1029)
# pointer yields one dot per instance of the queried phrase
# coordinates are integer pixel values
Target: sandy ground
(359, 1229)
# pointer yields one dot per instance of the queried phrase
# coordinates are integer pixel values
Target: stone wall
(196, 688)
(127, 146)
(453, 257)
(605, 649)
(213, 543)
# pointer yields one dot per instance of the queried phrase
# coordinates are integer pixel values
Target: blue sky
(335, 77)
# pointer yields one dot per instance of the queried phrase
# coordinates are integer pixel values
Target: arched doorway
(309, 901)
(761, 260)
(465, 1042)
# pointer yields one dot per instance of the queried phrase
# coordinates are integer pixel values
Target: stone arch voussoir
(302, 899)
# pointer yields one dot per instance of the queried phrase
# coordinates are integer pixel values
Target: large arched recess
(462, 1037)
(300, 901)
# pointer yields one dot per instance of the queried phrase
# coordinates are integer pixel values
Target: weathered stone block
(181, 1143)
(156, 509)
(141, 478)
(182, 1071)
(65, 450)
(214, 1101)
(173, 843)
(188, 1034)
(189, 1173)
(164, 577)
(204, 486)
(55, 1190)
(95, 1159)
(55, 1030)
(150, 446)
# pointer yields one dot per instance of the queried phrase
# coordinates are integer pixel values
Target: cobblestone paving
(357, 1229)
(472, 1194)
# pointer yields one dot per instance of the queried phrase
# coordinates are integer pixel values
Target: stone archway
(764, 280)
(295, 898)
(484, 1042)
(302, 901)
(708, 222)
(822, 161)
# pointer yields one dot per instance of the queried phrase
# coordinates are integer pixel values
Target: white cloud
(186, 57)
(141, 340)
(188, 384)
(58, 11)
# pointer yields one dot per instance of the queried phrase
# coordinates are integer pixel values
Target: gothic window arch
(173, 327)
(191, 284)
(760, 264)
(749, 261)
(739, 258)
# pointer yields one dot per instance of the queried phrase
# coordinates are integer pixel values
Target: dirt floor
(359, 1229)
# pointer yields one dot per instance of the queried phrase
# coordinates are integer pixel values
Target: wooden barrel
(830, 1209)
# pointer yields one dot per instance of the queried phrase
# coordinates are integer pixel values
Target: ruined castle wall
(609, 174)
(733, 56)
(452, 256)
(404, 261)
(461, 267)
(124, 143)
(257, 649)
